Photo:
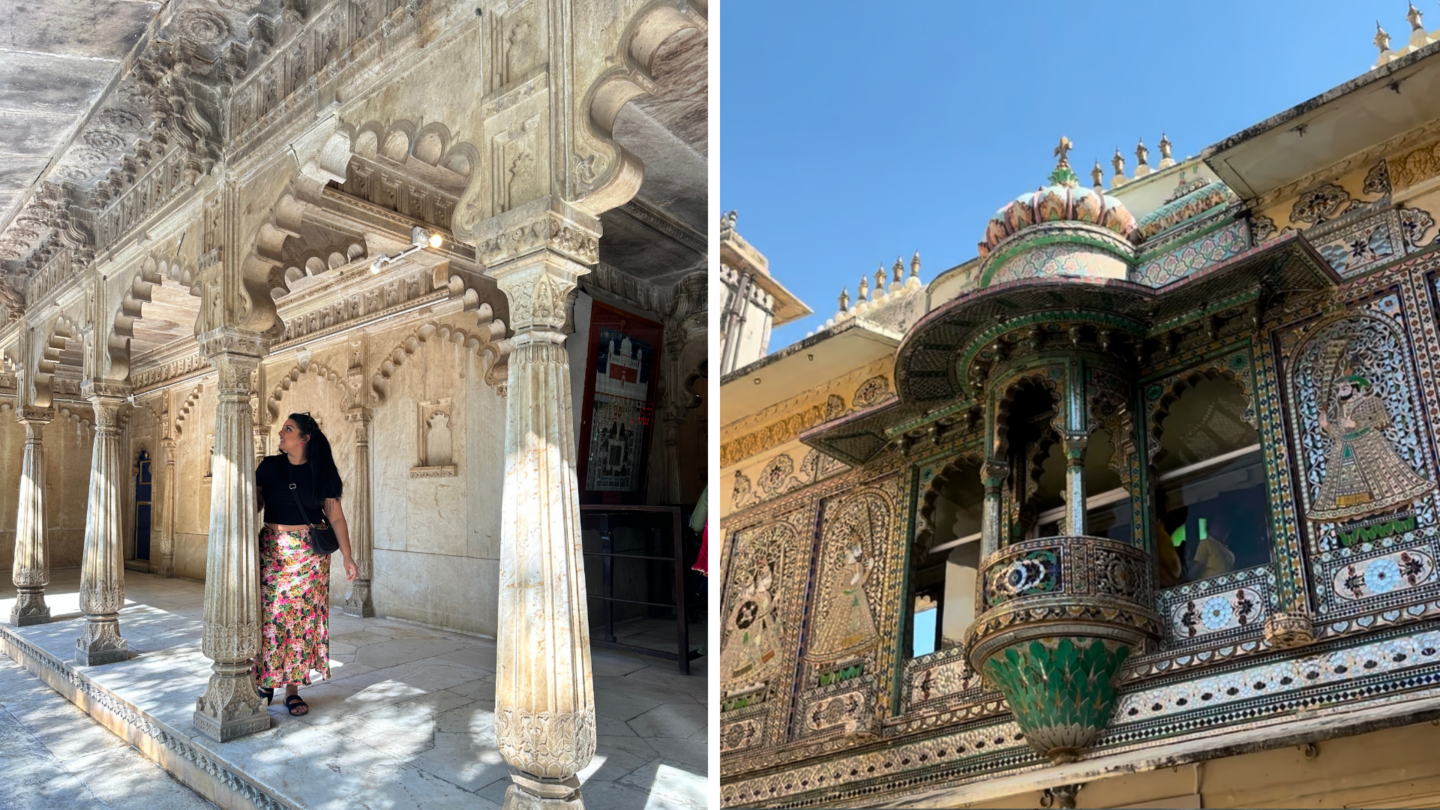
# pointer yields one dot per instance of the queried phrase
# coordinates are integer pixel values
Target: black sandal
(267, 692)
(294, 702)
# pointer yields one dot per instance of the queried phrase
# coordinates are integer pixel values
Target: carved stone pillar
(31, 572)
(992, 476)
(102, 566)
(362, 541)
(229, 708)
(1074, 444)
(163, 560)
(544, 699)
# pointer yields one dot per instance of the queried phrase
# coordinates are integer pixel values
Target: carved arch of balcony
(1178, 385)
(60, 358)
(182, 414)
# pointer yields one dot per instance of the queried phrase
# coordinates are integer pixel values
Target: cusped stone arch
(1166, 394)
(444, 166)
(277, 394)
(61, 351)
(174, 281)
(966, 462)
(1005, 400)
(486, 341)
(182, 413)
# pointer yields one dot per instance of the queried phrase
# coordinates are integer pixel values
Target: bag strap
(296, 495)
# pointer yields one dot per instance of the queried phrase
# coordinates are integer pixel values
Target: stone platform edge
(195, 767)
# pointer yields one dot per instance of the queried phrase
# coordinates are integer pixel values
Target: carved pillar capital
(546, 224)
(34, 414)
(993, 473)
(1074, 445)
(537, 285)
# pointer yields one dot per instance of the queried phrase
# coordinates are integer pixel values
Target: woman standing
(298, 486)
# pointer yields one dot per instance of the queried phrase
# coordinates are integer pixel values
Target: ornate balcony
(1059, 617)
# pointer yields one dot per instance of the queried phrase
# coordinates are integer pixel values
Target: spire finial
(1097, 175)
(1417, 20)
(1118, 163)
(899, 270)
(864, 289)
(1164, 147)
(844, 299)
(880, 279)
(1063, 174)
(1063, 153)
(1382, 39)
(915, 264)
(1142, 154)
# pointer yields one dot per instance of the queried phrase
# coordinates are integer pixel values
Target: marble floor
(406, 720)
(52, 755)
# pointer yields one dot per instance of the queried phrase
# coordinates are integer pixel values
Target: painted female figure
(846, 620)
(1363, 473)
(296, 487)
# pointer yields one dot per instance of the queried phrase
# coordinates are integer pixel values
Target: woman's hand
(351, 569)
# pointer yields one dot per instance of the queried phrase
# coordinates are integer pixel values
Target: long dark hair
(318, 453)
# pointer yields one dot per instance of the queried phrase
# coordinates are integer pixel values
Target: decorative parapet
(1061, 616)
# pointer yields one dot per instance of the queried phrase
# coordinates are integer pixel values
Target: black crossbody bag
(322, 537)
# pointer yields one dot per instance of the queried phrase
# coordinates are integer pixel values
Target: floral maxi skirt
(294, 608)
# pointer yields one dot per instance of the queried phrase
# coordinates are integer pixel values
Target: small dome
(1061, 201)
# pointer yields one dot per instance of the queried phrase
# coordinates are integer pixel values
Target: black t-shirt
(274, 486)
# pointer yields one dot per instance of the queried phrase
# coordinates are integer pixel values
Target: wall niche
(435, 440)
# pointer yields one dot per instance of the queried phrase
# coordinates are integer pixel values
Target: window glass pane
(1215, 519)
(1114, 520)
(1098, 475)
(1206, 421)
(924, 631)
(961, 572)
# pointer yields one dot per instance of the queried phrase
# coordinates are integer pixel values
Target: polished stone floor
(52, 755)
(406, 721)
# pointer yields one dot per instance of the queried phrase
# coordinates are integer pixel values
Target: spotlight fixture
(419, 239)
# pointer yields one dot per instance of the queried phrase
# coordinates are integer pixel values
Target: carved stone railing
(1060, 617)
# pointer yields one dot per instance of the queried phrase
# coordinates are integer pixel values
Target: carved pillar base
(358, 604)
(230, 708)
(529, 793)
(30, 607)
(101, 642)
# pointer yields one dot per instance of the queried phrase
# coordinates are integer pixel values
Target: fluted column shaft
(102, 565)
(163, 559)
(31, 571)
(362, 541)
(992, 476)
(544, 699)
(229, 708)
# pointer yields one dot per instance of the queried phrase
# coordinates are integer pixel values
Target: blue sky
(855, 132)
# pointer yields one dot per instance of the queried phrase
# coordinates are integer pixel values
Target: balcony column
(102, 565)
(31, 571)
(1074, 445)
(992, 475)
(164, 556)
(362, 541)
(544, 699)
(229, 708)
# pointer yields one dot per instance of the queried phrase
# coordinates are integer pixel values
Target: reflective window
(1211, 516)
(943, 576)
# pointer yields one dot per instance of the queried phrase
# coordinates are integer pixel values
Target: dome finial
(844, 299)
(1118, 163)
(899, 271)
(880, 280)
(1097, 175)
(1142, 158)
(1382, 39)
(1063, 174)
(864, 289)
(1417, 20)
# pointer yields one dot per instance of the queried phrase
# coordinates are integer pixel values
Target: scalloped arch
(487, 340)
(151, 273)
(1184, 382)
(277, 395)
(183, 412)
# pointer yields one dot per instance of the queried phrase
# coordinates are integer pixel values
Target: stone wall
(68, 440)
